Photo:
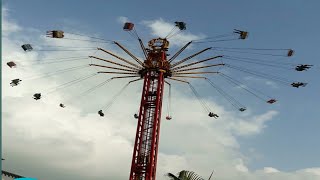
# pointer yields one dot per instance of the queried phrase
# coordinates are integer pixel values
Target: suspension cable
(71, 47)
(115, 97)
(67, 84)
(169, 100)
(245, 87)
(228, 97)
(77, 97)
(57, 72)
(259, 60)
(87, 40)
(88, 49)
(222, 40)
(53, 62)
(174, 34)
(216, 37)
(263, 75)
(91, 37)
(248, 52)
(172, 30)
(257, 63)
(255, 49)
(203, 104)
(52, 59)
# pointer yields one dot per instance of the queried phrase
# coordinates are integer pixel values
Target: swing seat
(128, 26)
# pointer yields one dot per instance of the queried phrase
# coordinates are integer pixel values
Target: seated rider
(298, 84)
(37, 96)
(211, 114)
(15, 82)
(101, 113)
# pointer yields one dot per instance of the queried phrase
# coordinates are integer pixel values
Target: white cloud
(43, 140)
(7, 25)
(241, 167)
(315, 171)
(123, 19)
(270, 170)
(253, 126)
(272, 84)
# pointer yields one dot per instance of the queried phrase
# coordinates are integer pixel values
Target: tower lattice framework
(146, 145)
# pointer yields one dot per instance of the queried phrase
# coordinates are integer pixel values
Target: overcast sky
(272, 142)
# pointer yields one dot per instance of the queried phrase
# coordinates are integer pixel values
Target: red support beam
(144, 158)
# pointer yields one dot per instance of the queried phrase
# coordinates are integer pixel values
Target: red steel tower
(146, 144)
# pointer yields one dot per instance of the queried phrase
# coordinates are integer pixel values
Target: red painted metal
(144, 158)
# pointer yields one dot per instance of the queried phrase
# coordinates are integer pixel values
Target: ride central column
(145, 152)
(144, 158)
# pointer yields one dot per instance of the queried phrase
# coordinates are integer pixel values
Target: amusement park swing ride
(156, 68)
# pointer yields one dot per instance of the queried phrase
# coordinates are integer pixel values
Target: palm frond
(189, 175)
(172, 176)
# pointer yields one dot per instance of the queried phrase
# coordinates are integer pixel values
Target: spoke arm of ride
(179, 80)
(121, 77)
(192, 56)
(199, 67)
(135, 80)
(114, 72)
(194, 63)
(200, 77)
(179, 52)
(204, 72)
(143, 48)
(109, 67)
(105, 60)
(129, 53)
(167, 82)
(120, 58)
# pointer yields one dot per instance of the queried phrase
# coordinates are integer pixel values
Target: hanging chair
(128, 26)
(55, 34)
(11, 64)
(27, 47)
